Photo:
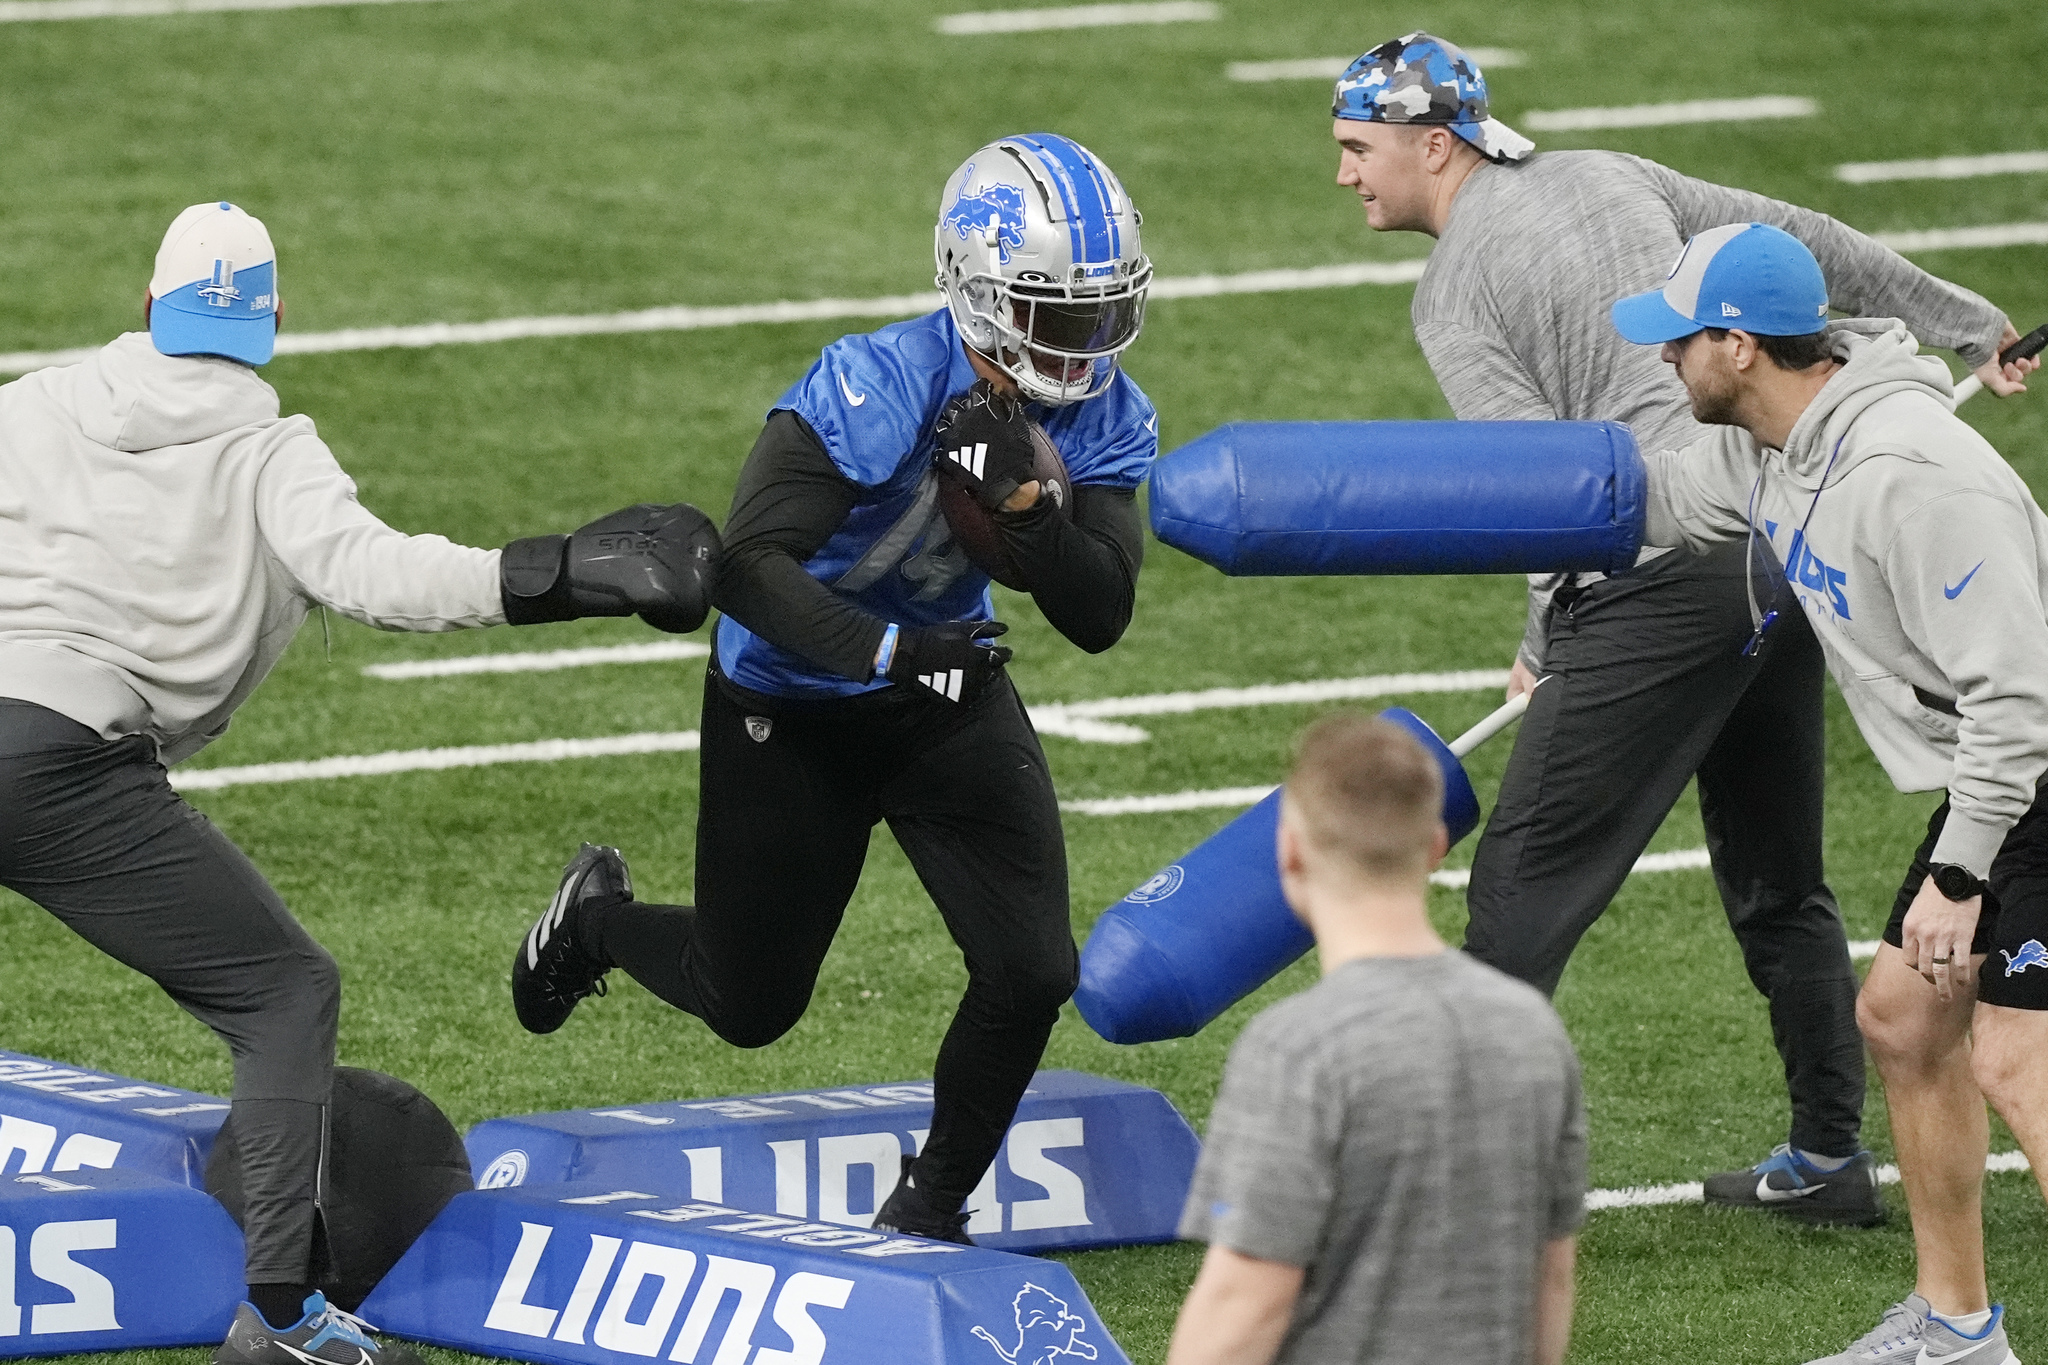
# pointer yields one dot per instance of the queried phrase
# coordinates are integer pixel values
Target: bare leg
(1922, 1048)
(2010, 1060)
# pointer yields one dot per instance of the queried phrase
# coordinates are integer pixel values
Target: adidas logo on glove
(970, 460)
(946, 683)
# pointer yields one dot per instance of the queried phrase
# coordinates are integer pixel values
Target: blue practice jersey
(873, 400)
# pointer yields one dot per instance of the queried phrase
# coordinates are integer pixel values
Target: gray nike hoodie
(163, 532)
(1922, 563)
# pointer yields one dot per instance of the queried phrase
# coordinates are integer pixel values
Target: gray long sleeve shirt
(1512, 309)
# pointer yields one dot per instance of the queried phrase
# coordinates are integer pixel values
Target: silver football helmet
(1038, 255)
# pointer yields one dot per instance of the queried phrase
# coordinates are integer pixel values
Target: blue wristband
(885, 653)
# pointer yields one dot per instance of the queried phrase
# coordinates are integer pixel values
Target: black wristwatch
(1955, 881)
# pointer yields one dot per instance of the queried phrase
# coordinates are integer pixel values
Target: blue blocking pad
(59, 1118)
(1088, 1162)
(1201, 935)
(589, 1273)
(104, 1260)
(1305, 498)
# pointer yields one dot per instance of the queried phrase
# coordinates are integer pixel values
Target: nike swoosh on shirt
(1152, 424)
(854, 398)
(1957, 591)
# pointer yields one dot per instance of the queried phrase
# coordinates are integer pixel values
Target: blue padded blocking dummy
(1087, 1162)
(1206, 932)
(104, 1260)
(593, 1273)
(1306, 498)
(56, 1118)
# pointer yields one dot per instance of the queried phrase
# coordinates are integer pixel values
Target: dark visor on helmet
(1082, 327)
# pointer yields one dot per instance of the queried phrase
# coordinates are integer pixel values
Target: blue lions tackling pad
(1088, 1162)
(1305, 498)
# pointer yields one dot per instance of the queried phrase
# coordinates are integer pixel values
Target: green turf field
(473, 159)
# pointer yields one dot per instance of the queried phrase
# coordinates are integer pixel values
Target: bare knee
(1908, 1029)
(2006, 1057)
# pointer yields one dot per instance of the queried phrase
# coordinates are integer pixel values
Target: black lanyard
(1762, 620)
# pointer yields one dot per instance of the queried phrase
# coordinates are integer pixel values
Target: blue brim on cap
(250, 340)
(1648, 320)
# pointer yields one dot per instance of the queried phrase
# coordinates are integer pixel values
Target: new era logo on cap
(1751, 271)
(214, 291)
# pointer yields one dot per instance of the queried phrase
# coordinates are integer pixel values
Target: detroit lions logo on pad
(2032, 953)
(1046, 1330)
(997, 207)
(1160, 886)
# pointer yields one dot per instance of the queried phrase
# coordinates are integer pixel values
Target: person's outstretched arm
(1237, 1312)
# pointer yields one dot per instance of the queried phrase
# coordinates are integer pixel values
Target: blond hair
(1365, 791)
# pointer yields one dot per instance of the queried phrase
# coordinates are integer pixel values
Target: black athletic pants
(790, 792)
(1644, 686)
(91, 831)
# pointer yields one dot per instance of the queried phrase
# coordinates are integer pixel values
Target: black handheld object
(2027, 347)
(654, 561)
(953, 659)
(984, 444)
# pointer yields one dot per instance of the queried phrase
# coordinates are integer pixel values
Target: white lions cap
(215, 287)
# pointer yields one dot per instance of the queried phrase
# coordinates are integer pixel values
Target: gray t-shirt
(1411, 1132)
(1512, 310)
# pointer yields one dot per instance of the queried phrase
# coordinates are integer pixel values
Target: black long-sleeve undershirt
(791, 498)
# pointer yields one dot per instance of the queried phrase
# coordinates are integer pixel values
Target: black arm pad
(531, 581)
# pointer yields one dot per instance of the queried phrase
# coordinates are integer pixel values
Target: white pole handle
(1968, 388)
(1504, 716)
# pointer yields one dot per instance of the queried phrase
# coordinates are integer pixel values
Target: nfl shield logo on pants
(759, 728)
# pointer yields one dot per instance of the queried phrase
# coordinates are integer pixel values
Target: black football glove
(954, 660)
(984, 441)
(648, 560)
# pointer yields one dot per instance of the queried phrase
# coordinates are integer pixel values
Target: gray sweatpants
(1645, 685)
(91, 831)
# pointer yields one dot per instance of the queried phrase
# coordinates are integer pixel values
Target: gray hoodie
(1923, 565)
(163, 532)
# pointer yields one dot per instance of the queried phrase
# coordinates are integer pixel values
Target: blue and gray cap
(1423, 79)
(214, 291)
(1747, 276)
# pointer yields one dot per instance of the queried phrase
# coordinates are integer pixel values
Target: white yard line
(1219, 799)
(1076, 16)
(1330, 68)
(1943, 167)
(1086, 721)
(1690, 1192)
(1943, 239)
(659, 651)
(686, 319)
(433, 760)
(1659, 115)
(31, 11)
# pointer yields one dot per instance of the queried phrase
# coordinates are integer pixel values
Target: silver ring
(1940, 961)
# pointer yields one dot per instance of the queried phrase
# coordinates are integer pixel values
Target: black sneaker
(907, 1210)
(550, 973)
(324, 1334)
(1784, 1182)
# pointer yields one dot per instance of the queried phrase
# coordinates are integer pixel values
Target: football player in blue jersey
(857, 679)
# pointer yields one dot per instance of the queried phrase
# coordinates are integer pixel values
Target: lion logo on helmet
(993, 208)
(1046, 1330)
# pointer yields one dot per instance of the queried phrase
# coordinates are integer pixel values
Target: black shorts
(2013, 928)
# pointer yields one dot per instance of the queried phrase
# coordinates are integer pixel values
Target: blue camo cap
(1420, 78)
(1750, 276)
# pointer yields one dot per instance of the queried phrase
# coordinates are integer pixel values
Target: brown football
(975, 530)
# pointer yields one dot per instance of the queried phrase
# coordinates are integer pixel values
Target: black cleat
(550, 972)
(908, 1210)
(1785, 1183)
(324, 1336)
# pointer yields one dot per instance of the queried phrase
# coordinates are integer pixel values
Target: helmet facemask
(1059, 343)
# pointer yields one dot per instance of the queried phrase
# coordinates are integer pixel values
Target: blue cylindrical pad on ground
(1306, 498)
(1206, 932)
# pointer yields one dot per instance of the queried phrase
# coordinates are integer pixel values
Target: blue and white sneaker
(324, 1336)
(1911, 1333)
(1785, 1182)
